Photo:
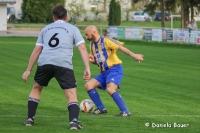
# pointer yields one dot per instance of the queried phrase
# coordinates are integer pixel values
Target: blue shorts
(114, 75)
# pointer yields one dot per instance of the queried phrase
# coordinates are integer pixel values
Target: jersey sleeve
(39, 41)
(78, 38)
(112, 43)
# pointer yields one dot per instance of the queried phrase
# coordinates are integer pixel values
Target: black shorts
(64, 76)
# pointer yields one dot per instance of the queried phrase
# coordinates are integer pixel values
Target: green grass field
(163, 89)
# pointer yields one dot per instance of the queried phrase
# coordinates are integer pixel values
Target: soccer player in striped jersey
(103, 53)
(54, 51)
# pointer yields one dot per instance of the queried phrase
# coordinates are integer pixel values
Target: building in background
(16, 6)
(88, 5)
(3, 13)
(99, 5)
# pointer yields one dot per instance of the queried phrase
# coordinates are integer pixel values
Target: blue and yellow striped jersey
(104, 52)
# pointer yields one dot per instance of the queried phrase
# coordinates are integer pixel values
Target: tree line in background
(39, 11)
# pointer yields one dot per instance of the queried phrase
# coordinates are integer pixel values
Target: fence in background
(125, 32)
(156, 34)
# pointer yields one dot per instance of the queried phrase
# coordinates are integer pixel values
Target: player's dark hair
(59, 12)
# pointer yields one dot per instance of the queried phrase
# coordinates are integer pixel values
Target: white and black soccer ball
(87, 105)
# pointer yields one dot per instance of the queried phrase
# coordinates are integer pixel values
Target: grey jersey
(58, 40)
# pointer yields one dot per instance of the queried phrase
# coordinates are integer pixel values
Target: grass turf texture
(164, 88)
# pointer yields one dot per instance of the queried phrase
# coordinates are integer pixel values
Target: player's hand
(26, 75)
(91, 58)
(138, 57)
(86, 75)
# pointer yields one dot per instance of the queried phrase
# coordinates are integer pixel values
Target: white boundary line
(63, 116)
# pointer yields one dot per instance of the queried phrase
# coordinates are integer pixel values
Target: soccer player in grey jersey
(54, 51)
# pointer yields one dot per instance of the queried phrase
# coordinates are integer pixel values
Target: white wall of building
(86, 4)
(17, 7)
(3, 14)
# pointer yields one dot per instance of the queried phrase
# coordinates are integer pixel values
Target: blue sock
(120, 102)
(95, 98)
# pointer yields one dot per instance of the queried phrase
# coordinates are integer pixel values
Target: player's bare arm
(33, 58)
(84, 54)
(137, 57)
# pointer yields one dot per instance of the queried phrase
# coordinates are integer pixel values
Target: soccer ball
(87, 105)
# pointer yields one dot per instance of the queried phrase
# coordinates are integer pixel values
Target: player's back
(58, 40)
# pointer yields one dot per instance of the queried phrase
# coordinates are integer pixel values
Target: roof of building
(7, 1)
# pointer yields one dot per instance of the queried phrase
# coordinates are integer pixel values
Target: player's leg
(42, 77)
(111, 89)
(33, 100)
(93, 94)
(66, 79)
(73, 108)
(113, 79)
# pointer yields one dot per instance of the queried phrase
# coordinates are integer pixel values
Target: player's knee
(37, 87)
(87, 86)
(110, 91)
